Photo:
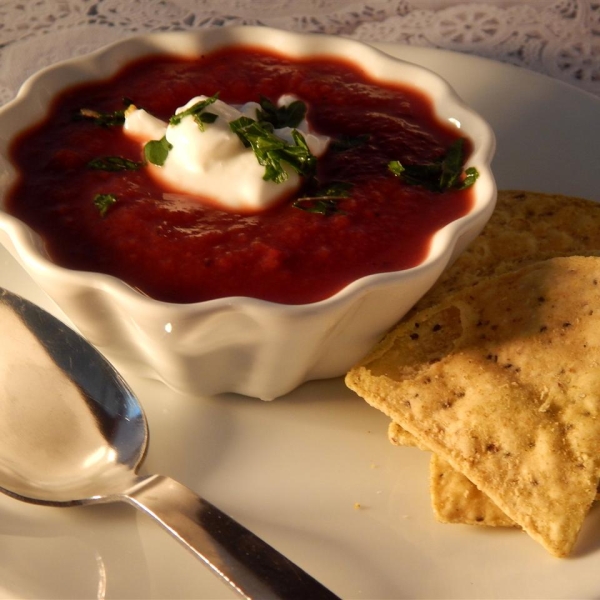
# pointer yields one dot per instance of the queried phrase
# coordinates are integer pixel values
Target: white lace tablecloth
(560, 38)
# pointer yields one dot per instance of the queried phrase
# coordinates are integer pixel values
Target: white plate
(293, 470)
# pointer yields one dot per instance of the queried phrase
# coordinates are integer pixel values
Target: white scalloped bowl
(241, 345)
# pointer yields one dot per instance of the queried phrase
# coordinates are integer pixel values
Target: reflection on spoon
(73, 433)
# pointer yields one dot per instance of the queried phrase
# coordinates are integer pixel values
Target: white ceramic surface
(292, 470)
(271, 348)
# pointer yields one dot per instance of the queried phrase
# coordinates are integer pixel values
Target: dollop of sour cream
(211, 163)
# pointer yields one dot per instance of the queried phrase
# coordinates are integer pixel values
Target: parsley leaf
(281, 116)
(471, 175)
(156, 151)
(325, 199)
(395, 166)
(271, 150)
(452, 165)
(103, 202)
(440, 175)
(321, 206)
(101, 119)
(114, 163)
(197, 112)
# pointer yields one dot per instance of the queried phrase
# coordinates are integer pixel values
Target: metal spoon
(73, 433)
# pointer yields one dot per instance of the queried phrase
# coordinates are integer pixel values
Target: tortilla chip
(456, 500)
(503, 382)
(400, 437)
(525, 227)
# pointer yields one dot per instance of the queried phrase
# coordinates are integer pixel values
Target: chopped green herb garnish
(443, 174)
(321, 206)
(271, 150)
(110, 119)
(208, 117)
(281, 116)
(156, 151)
(471, 175)
(333, 189)
(347, 142)
(114, 163)
(325, 199)
(103, 119)
(103, 202)
(396, 167)
(452, 165)
(197, 112)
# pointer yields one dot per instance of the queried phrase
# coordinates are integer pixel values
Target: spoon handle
(248, 564)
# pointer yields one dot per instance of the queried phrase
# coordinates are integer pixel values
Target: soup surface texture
(175, 248)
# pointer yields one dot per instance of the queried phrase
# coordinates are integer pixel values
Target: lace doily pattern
(560, 38)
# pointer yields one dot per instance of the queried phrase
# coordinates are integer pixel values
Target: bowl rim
(92, 67)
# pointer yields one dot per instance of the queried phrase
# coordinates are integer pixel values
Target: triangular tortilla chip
(503, 382)
(401, 437)
(456, 500)
(525, 227)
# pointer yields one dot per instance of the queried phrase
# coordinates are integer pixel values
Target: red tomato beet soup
(370, 204)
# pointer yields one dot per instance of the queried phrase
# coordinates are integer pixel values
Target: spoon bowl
(71, 429)
(72, 432)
